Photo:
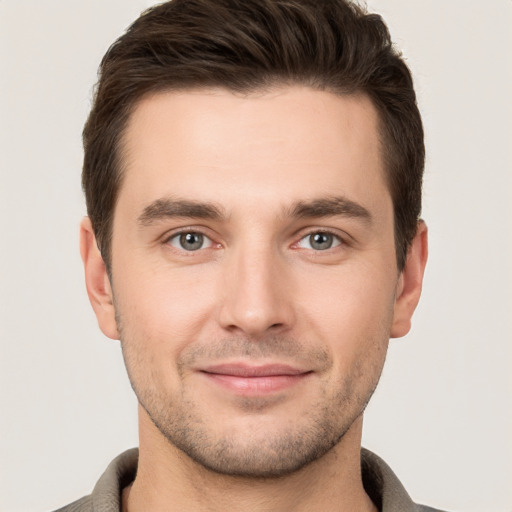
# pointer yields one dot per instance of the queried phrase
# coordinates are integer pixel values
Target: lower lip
(255, 385)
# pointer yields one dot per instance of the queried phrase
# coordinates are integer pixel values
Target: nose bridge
(254, 296)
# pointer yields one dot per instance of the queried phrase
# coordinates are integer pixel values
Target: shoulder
(106, 495)
(82, 505)
(384, 487)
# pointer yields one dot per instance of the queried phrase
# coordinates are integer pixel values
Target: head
(253, 176)
(245, 47)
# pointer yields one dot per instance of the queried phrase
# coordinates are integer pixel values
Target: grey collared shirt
(379, 481)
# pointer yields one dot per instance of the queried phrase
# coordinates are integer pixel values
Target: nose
(257, 294)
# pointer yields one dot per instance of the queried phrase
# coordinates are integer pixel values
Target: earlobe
(410, 282)
(97, 281)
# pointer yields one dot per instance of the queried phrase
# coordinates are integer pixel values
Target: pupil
(321, 241)
(191, 241)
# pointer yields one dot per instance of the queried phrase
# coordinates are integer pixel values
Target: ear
(409, 283)
(97, 281)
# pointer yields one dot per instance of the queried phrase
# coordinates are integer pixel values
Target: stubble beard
(267, 453)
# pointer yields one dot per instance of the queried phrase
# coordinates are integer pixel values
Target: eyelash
(337, 240)
(189, 231)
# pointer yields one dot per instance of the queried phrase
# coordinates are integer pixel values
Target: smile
(254, 380)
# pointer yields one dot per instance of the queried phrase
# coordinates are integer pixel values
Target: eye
(190, 241)
(319, 241)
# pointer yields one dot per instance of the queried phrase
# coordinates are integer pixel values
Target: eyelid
(185, 229)
(169, 235)
(342, 237)
(175, 241)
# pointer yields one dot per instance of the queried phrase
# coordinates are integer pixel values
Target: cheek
(159, 316)
(166, 310)
(351, 313)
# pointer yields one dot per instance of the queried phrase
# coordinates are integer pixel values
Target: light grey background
(442, 415)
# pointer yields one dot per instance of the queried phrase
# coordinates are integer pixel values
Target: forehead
(276, 145)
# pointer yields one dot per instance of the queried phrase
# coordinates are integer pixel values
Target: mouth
(254, 380)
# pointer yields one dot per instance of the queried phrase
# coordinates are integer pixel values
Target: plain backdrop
(442, 416)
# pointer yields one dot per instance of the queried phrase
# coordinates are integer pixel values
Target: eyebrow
(165, 208)
(330, 207)
(170, 208)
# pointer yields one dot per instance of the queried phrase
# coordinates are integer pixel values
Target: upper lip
(247, 370)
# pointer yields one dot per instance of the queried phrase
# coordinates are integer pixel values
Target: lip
(254, 380)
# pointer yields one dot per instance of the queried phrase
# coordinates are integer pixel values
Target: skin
(257, 176)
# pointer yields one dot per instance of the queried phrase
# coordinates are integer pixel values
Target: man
(253, 179)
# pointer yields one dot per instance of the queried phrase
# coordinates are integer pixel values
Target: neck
(169, 480)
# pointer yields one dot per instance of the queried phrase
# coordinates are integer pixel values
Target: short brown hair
(248, 45)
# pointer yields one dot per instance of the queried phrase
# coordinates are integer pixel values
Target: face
(254, 274)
